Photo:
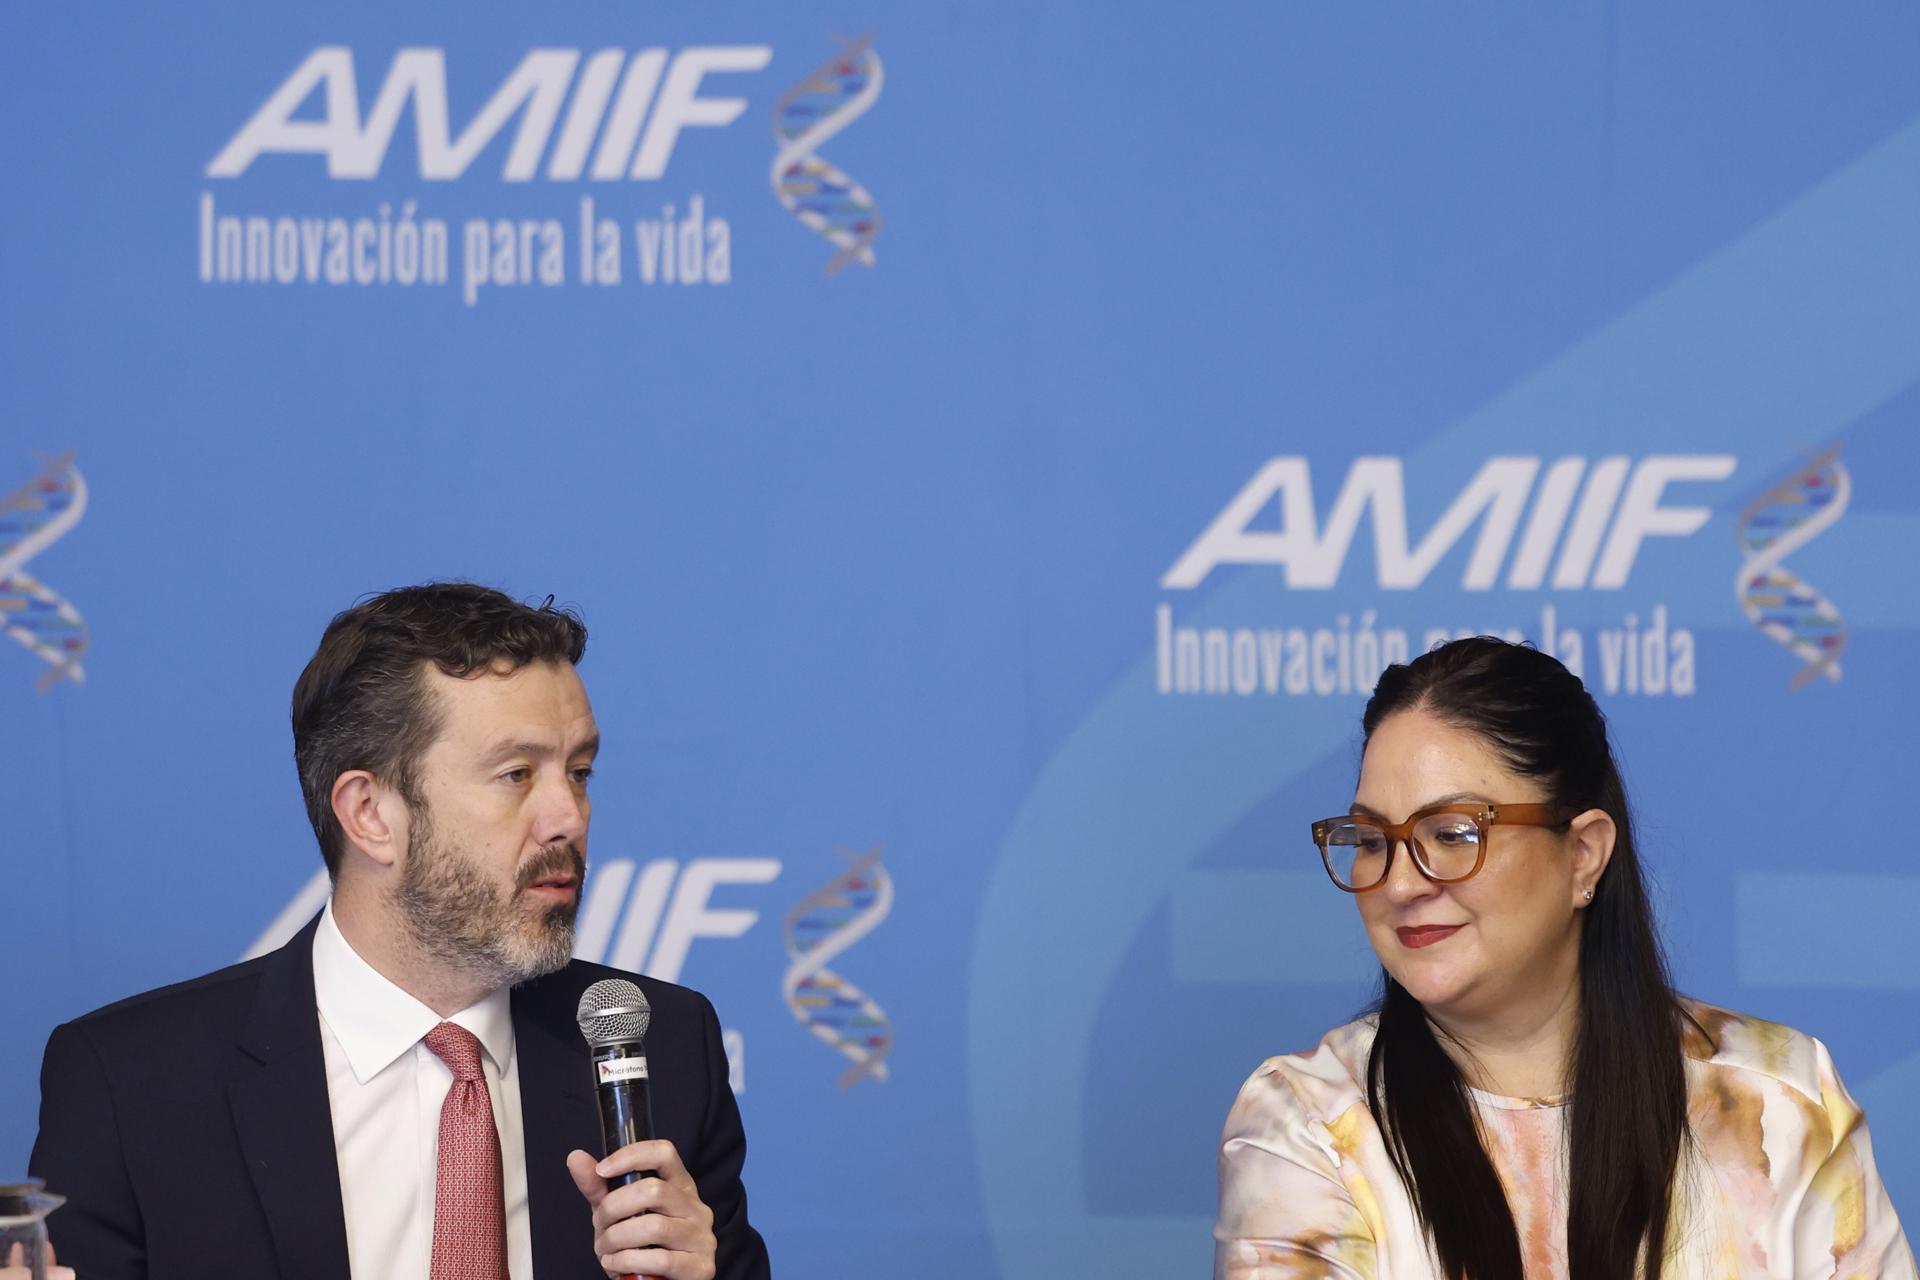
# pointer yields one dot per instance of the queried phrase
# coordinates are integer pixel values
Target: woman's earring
(1589, 894)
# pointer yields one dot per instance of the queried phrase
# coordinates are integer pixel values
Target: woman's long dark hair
(1629, 1105)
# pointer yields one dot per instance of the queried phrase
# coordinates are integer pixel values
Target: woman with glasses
(1530, 1098)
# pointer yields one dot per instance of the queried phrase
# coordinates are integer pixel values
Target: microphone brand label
(614, 1070)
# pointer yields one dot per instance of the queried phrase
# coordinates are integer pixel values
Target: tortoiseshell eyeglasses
(1449, 841)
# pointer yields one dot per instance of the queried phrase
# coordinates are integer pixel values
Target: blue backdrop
(994, 447)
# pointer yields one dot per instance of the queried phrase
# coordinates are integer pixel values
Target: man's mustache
(561, 859)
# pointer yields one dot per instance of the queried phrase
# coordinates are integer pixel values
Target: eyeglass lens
(1448, 845)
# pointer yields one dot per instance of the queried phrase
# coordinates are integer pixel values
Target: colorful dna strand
(1775, 599)
(831, 97)
(828, 921)
(33, 518)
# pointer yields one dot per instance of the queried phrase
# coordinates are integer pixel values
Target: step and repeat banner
(995, 449)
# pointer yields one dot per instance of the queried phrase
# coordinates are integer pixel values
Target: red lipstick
(1426, 935)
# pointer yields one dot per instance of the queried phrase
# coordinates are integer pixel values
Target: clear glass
(24, 1207)
(1448, 841)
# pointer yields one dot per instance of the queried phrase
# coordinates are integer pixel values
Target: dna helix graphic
(32, 518)
(1774, 598)
(812, 189)
(827, 922)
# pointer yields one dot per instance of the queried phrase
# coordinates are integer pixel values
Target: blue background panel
(874, 560)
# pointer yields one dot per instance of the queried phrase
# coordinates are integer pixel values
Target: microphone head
(613, 1011)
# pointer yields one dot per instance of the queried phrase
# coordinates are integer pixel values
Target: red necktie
(469, 1213)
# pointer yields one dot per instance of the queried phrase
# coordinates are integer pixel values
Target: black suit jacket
(189, 1127)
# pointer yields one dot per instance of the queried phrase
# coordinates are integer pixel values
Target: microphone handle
(620, 1076)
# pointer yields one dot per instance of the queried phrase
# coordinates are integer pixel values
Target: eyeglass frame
(1398, 833)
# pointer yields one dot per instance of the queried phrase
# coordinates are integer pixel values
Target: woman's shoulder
(1319, 1084)
(1724, 1043)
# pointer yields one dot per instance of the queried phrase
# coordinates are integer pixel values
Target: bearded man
(401, 1090)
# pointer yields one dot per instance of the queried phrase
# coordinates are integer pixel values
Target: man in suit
(402, 1089)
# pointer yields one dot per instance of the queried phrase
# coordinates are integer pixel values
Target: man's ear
(372, 815)
(1593, 834)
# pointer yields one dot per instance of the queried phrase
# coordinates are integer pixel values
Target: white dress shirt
(386, 1088)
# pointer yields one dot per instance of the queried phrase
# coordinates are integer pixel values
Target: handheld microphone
(613, 1016)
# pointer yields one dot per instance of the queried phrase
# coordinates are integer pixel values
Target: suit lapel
(280, 1112)
(558, 1114)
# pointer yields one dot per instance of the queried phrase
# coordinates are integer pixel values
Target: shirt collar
(375, 1021)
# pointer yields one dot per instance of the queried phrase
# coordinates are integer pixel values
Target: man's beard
(460, 918)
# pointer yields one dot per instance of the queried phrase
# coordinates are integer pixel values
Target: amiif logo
(1603, 531)
(613, 97)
